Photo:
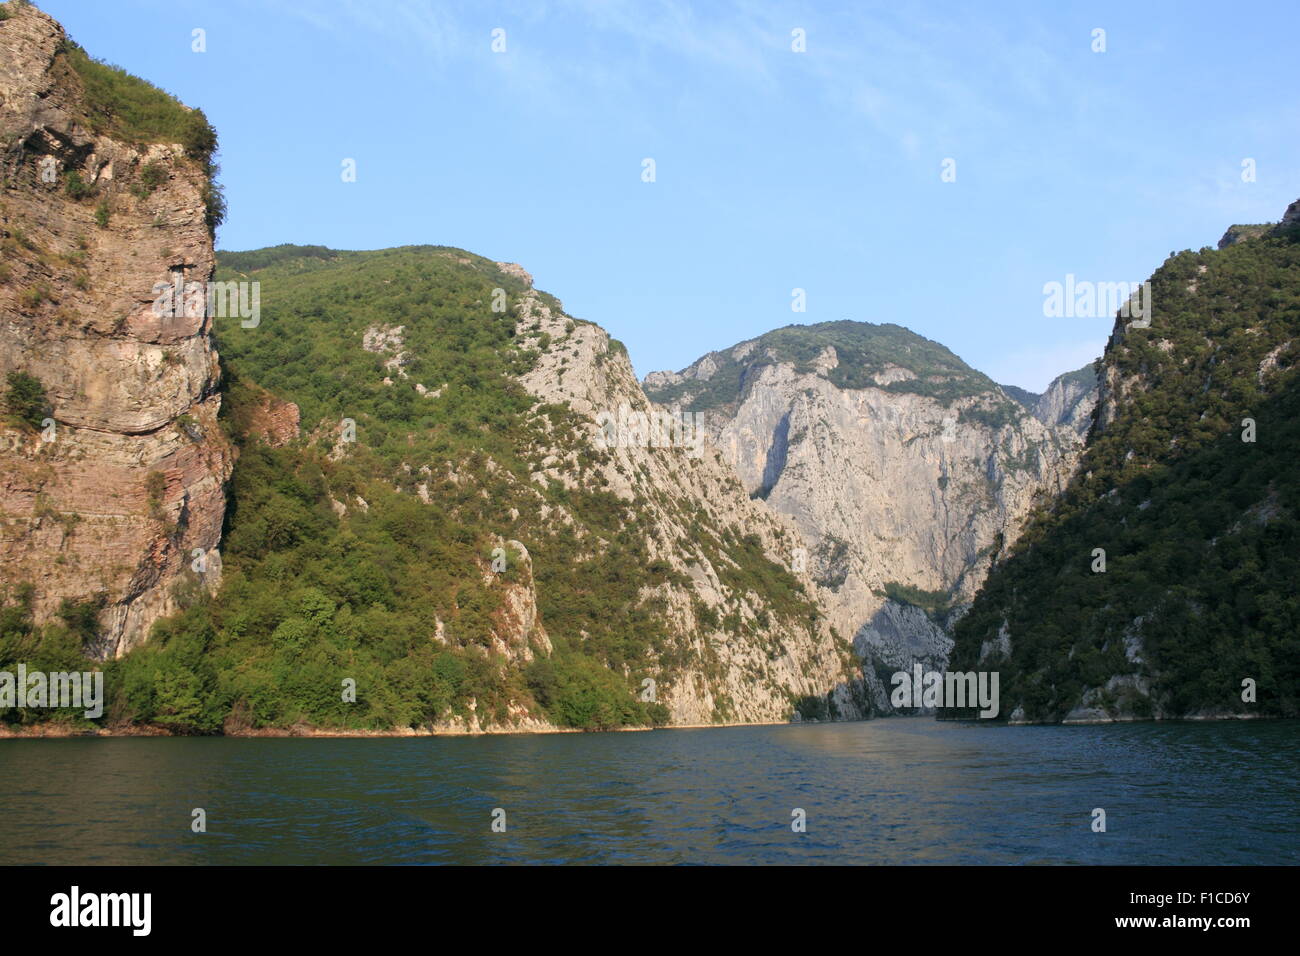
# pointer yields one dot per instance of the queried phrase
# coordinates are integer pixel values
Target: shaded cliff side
(1162, 583)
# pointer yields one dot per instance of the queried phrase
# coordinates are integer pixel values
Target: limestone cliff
(115, 491)
(905, 471)
(1069, 400)
(753, 670)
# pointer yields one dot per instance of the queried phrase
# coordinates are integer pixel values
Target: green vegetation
(395, 593)
(935, 604)
(1200, 529)
(382, 578)
(286, 254)
(32, 297)
(123, 106)
(25, 399)
(863, 350)
(1025, 397)
(55, 647)
(214, 199)
(76, 187)
(152, 176)
(993, 414)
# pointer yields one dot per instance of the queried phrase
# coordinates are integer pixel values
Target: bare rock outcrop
(121, 491)
(765, 662)
(1069, 401)
(518, 633)
(901, 499)
(272, 420)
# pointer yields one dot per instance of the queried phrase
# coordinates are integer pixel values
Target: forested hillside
(418, 523)
(1189, 487)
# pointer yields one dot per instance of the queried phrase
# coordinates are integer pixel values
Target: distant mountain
(1022, 395)
(1163, 582)
(1069, 400)
(886, 356)
(905, 470)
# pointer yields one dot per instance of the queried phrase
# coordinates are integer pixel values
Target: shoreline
(64, 731)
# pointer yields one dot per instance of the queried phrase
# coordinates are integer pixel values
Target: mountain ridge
(1161, 583)
(905, 470)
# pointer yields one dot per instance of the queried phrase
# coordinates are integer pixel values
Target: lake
(892, 791)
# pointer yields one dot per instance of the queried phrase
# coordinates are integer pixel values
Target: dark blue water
(885, 791)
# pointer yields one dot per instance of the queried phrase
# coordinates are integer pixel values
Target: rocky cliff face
(115, 493)
(1069, 401)
(754, 669)
(904, 471)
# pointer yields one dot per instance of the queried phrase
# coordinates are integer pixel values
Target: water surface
(900, 790)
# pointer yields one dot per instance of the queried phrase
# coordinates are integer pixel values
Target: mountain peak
(851, 354)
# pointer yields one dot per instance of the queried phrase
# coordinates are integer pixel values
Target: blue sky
(775, 170)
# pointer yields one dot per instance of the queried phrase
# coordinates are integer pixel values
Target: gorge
(397, 482)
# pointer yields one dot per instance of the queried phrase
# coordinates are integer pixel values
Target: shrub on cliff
(198, 137)
(25, 400)
(152, 176)
(122, 105)
(119, 104)
(76, 187)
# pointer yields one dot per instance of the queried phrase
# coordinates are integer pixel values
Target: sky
(930, 164)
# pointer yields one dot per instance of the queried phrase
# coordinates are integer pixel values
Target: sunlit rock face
(904, 481)
(121, 495)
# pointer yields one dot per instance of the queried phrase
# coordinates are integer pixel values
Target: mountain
(1162, 583)
(413, 493)
(112, 465)
(905, 470)
(1021, 395)
(1069, 400)
(425, 503)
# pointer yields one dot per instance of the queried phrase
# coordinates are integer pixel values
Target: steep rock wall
(750, 676)
(887, 488)
(111, 503)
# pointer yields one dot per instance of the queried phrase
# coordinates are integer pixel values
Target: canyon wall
(113, 491)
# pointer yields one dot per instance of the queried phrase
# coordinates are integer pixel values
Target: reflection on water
(884, 791)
